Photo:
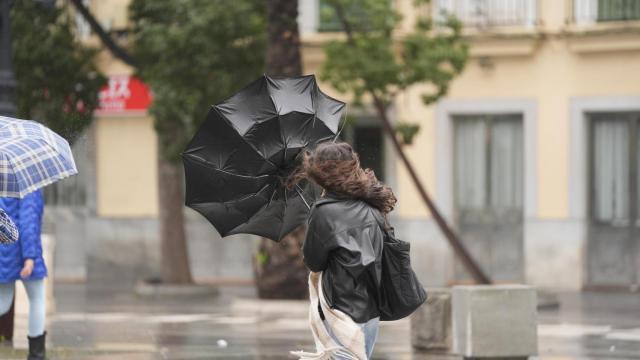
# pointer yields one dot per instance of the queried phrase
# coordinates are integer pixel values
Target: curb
(148, 289)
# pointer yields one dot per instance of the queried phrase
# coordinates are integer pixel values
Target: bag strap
(383, 223)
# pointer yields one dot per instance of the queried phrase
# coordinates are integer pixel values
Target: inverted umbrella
(237, 164)
(31, 157)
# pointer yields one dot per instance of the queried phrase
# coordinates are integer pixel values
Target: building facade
(533, 156)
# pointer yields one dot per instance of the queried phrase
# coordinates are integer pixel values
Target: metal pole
(7, 79)
(8, 108)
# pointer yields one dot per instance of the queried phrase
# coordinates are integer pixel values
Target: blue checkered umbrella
(31, 157)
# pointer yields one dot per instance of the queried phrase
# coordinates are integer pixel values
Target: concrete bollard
(431, 323)
(494, 321)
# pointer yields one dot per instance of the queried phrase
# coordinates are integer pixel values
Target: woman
(344, 243)
(22, 260)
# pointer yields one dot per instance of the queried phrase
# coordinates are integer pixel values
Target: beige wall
(555, 70)
(126, 166)
(112, 13)
(126, 145)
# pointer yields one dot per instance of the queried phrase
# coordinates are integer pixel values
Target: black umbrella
(238, 161)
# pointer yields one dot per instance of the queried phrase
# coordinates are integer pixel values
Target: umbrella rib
(215, 108)
(344, 122)
(298, 190)
(275, 107)
(273, 195)
(205, 163)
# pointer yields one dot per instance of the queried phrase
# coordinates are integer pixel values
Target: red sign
(123, 94)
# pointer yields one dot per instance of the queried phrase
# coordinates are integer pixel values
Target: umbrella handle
(302, 197)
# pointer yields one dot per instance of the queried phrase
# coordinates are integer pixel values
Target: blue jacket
(27, 215)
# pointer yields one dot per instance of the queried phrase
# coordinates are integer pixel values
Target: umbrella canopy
(236, 164)
(31, 157)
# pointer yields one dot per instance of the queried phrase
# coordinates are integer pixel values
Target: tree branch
(105, 38)
(346, 25)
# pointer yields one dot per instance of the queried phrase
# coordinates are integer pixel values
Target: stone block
(431, 323)
(494, 321)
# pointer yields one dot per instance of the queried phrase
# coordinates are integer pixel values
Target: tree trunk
(283, 42)
(279, 270)
(175, 257)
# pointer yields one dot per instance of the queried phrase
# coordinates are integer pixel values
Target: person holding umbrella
(22, 260)
(31, 157)
(246, 171)
(343, 248)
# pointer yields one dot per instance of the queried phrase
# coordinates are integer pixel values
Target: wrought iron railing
(593, 11)
(489, 13)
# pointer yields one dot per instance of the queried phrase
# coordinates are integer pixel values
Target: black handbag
(400, 291)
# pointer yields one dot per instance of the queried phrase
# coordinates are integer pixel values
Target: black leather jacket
(344, 239)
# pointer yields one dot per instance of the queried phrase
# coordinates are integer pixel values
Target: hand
(27, 269)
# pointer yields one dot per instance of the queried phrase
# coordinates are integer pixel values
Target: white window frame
(447, 109)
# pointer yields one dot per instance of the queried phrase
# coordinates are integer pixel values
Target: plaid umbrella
(31, 157)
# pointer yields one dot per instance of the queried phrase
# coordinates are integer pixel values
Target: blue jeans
(370, 329)
(36, 293)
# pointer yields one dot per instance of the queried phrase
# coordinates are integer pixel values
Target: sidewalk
(102, 324)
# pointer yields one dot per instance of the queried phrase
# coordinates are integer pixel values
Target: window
(489, 162)
(592, 11)
(329, 20)
(489, 13)
(368, 141)
(488, 168)
(612, 10)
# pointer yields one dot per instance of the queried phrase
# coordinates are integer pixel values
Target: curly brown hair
(336, 168)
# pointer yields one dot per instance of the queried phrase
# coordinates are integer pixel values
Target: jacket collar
(330, 197)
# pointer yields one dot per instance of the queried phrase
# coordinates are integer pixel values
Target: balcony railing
(489, 13)
(594, 11)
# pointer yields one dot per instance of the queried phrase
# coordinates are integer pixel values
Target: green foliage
(262, 257)
(193, 54)
(406, 131)
(373, 61)
(57, 80)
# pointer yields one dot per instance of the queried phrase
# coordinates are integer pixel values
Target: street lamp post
(7, 79)
(8, 108)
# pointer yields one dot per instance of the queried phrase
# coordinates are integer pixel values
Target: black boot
(37, 348)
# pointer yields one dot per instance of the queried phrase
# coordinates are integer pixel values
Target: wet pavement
(112, 324)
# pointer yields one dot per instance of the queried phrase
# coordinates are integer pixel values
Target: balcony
(603, 11)
(485, 14)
